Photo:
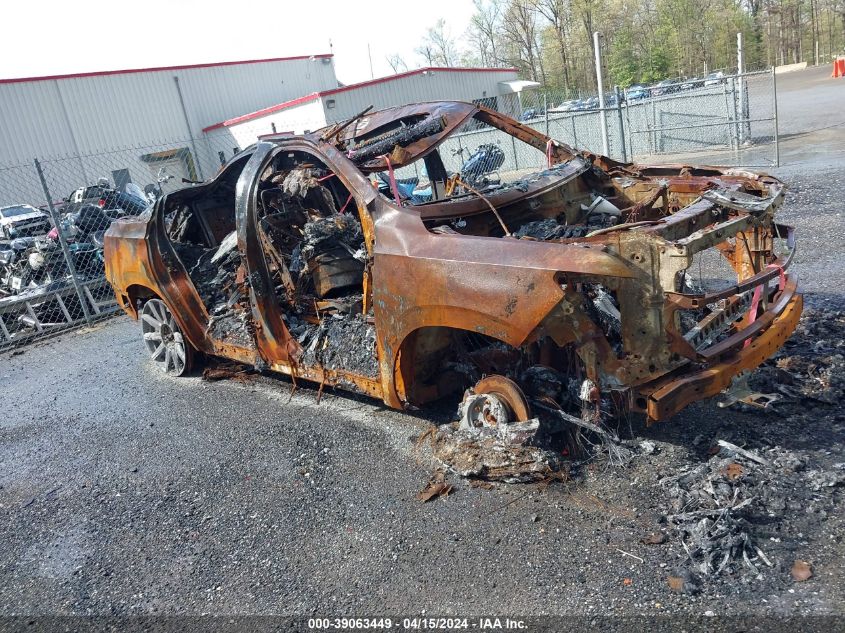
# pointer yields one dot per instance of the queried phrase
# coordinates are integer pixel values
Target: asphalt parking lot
(126, 492)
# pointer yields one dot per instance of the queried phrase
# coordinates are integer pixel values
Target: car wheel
(493, 402)
(165, 342)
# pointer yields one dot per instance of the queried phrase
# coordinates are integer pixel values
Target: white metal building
(117, 123)
(497, 87)
(126, 125)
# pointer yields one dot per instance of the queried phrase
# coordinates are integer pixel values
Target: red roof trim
(263, 112)
(410, 73)
(103, 73)
(333, 91)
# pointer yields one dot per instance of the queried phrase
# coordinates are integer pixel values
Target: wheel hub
(485, 409)
(495, 401)
(166, 333)
(164, 341)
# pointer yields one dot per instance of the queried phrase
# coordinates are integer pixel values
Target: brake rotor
(508, 392)
(495, 401)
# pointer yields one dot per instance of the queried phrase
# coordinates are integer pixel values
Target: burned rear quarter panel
(139, 256)
(127, 260)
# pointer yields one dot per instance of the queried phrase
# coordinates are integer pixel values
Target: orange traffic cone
(838, 67)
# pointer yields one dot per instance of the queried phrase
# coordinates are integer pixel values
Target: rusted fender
(499, 287)
(127, 260)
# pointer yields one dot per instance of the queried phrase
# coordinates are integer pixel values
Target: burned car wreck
(444, 250)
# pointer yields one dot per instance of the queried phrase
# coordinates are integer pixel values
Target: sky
(50, 37)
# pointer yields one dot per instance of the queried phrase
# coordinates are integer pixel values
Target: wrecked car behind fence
(383, 256)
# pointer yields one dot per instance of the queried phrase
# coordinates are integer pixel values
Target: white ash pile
(722, 510)
(503, 454)
(487, 443)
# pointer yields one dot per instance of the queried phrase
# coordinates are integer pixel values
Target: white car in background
(714, 79)
(23, 220)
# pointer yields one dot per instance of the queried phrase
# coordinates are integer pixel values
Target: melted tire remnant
(491, 454)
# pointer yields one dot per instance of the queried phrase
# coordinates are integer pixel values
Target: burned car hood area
(442, 249)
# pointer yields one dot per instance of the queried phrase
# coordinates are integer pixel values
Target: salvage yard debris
(559, 292)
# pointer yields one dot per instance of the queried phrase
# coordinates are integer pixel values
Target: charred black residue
(225, 295)
(342, 342)
(550, 229)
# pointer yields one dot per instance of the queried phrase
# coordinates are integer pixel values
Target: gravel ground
(128, 492)
(125, 492)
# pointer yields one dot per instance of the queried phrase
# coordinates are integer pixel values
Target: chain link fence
(723, 119)
(53, 216)
(55, 210)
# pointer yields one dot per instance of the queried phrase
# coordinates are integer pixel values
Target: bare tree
(397, 64)
(520, 32)
(438, 46)
(559, 14)
(584, 10)
(483, 31)
(426, 51)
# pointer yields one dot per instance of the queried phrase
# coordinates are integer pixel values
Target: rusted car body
(458, 282)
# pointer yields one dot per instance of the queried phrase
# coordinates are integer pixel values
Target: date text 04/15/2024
(418, 624)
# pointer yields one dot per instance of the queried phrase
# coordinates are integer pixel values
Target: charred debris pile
(810, 368)
(726, 511)
(486, 443)
(317, 257)
(543, 448)
(736, 515)
(219, 279)
(547, 205)
(808, 372)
